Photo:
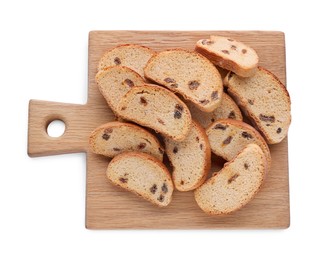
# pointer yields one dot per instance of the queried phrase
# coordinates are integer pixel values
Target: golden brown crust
(276, 79)
(101, 72)
(120, 46)
(146, 157)
(136, 46)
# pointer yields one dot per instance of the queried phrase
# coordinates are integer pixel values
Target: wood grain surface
(109, 207)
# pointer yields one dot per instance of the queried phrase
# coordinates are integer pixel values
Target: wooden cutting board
(108, 207)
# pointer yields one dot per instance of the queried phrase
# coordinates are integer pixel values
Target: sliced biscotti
(157, 108)
(228, 137)
(114, 138)
(191, 158)
(132, 56)
(229, 54)
(265, 100)
(143, 175)
(235, 185)
(227, 109)
(114, 82)
(189, 74)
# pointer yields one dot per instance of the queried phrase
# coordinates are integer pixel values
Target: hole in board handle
(56, 128)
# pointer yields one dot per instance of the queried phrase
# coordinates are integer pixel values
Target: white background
(43, 55)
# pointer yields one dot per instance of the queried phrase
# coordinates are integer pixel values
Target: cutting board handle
(41, 114)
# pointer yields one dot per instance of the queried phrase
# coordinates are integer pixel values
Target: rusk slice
(229, 54)
(235, 185)
(114, 82)
(189, 74)
(143, 175)
(266, 102)
(132, 56)
(229, 137)
(158, 108)
(114, 138)
(227, 109)
(191, 158)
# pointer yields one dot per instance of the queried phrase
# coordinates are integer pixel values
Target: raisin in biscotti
(132, 56)
(228, 137)
(235, 185)
(143, 175)
(191, 158)
(158, 108)
(113, 138)
(189, 74)
(229, 54)
(114, 82)
(227, 109)
(265, 100)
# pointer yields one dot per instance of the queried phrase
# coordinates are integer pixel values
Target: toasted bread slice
(114, 138)
(229, 54)
(227, 109)
(114, 82)
(143, 175)
(228, 137)
(158, 108)
(189, 74)
(191, 158)
(132, 56)
(265, 100)
(235, 185)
